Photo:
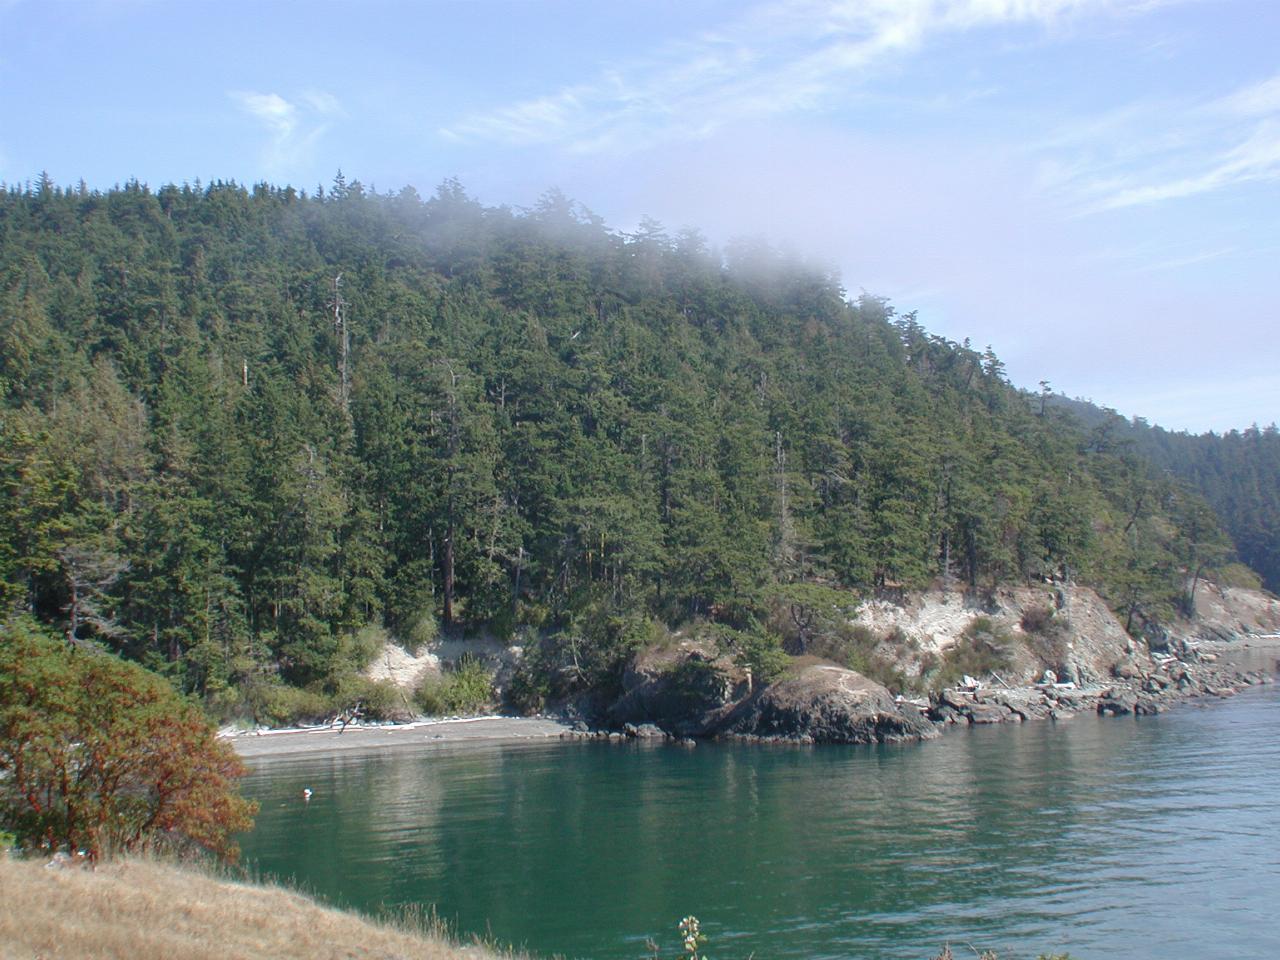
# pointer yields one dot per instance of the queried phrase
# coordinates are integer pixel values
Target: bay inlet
(1149, 838)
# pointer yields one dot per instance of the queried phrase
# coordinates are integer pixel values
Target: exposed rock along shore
(819, 703)
(1133, 691)
(825, 703)
(690, 691)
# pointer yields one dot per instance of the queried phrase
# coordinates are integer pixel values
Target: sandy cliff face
(406, 670)
(1085, 640)
(1222, 613)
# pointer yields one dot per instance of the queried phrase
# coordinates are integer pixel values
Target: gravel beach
(423, 733)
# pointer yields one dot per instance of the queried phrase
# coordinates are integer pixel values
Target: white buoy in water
(306, 793)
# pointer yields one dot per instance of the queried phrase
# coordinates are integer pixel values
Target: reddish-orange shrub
(99, 756)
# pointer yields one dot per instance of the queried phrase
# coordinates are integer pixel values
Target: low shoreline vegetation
(465, 688)
(984, 647)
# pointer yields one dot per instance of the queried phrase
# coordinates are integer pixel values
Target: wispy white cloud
(1186, 260)
(1151, 153)
(1255, 100)
(1257, 158)
(777, 58)
(293, 127)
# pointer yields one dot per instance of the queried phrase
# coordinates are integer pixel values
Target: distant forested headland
(243, 430)
(1237, 472)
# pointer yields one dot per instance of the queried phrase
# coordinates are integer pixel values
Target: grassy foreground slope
(140, 910)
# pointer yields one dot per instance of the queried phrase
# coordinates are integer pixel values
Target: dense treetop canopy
(241, 425)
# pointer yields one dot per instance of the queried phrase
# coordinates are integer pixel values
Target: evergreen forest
(1237, 472)
(246, 432)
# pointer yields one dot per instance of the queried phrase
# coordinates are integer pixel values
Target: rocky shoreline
(825, 703)
(1064, 654)
(1132, 692)
(818, 703)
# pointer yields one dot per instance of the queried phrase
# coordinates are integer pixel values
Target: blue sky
(1090, 186)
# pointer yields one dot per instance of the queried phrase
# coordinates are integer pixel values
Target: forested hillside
(1238, 473)
(243, 429)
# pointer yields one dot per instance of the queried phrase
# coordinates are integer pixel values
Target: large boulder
(686, 688)
(1117, 702)
(992, 711)
(825, 703)
(963, 706)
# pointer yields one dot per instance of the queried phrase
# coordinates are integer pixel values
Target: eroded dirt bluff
(1229, 613)
(1067, 628)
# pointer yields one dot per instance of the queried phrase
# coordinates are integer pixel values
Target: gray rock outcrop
(687, 689)
(825, 703)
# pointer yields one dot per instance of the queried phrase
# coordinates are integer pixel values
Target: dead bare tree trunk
(448, 575)
(344, 345)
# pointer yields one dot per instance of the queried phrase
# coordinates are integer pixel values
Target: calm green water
(1153, 838)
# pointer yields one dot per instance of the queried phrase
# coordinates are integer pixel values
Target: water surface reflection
(1150, 838)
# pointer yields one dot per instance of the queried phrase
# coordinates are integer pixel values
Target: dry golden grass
(143, 910)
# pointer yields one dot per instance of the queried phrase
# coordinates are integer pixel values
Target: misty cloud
(294, 127)
(1089, 186)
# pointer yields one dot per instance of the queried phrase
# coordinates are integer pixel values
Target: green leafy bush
(361, 648)
(842, 642)
(815, 620)
(897, 639)
(357, 696)
(419, 631)
(588, 655)
(875, 667)
(529, 688)
(275, 704)
(466, 688)
(983, 648)
(1037, 619)
(758, 650)
(1238, 575)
